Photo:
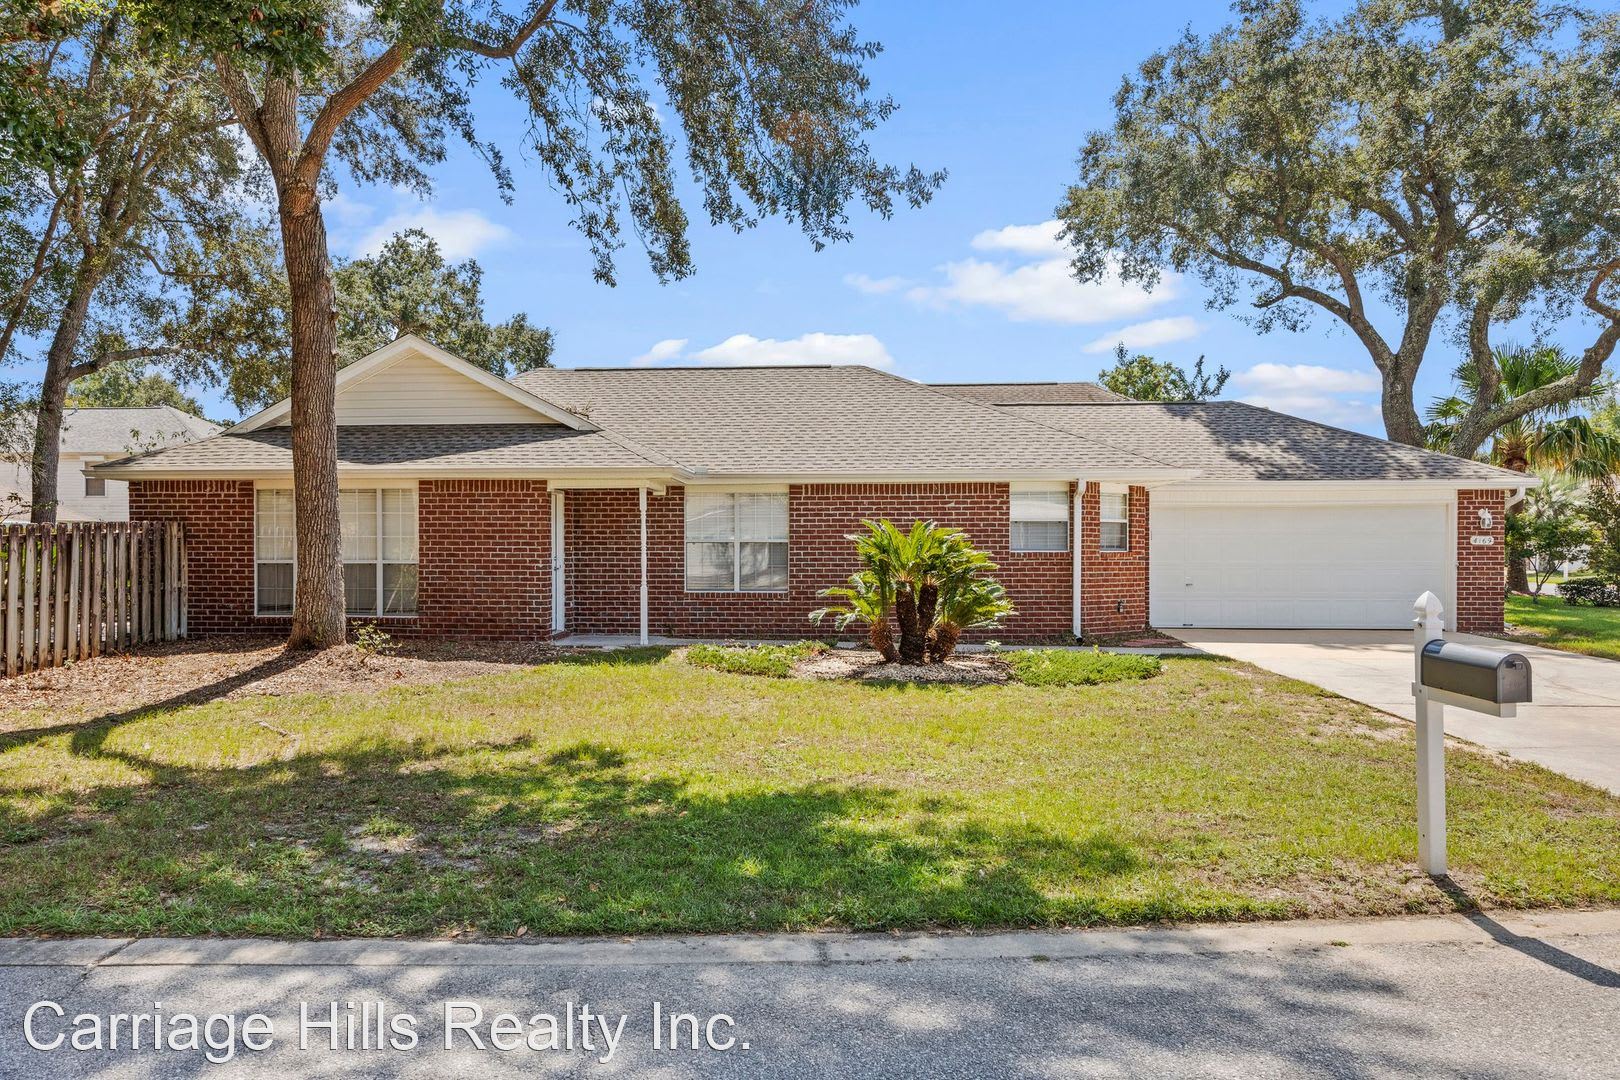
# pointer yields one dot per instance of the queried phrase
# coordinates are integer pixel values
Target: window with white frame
(736, 541)
(1040, 519)
(1114, 516)
(378, 527)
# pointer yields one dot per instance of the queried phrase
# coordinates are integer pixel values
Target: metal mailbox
(1502, 678)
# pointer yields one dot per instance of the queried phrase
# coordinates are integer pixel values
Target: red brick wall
(484, 558)
(602, 554)
(484, 549)
(1110, 578)
(1481, 569)
(219, 546)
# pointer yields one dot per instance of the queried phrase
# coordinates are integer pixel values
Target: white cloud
(461, 233)
(1330, 395)
(1339, 412)
(668, 349)
(1039, 239)
(875, 286)
(1030, 283)
(746, 349)
(1145, 335)
(1309, 379)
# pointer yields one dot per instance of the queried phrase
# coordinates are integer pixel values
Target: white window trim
(380, 562)
(1124, 493)
(736, 542)
(1062, 515)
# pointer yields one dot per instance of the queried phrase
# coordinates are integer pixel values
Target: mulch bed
(866, 665)
(220, 668)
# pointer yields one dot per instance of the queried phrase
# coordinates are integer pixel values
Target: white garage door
(1350, 567)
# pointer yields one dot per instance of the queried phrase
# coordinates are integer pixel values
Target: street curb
(1512, 929)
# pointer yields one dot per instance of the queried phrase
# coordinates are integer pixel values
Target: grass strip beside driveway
(1594, 631)
(633, 792)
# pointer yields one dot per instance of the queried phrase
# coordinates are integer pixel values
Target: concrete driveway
(1573, 727)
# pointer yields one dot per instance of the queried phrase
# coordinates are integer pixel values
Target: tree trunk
(927, 604)
(912, 642)
(1401, 421)
(53, 394)
(882, 639)
(318, 618)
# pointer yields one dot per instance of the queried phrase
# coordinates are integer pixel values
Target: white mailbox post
(1431, 742)
(1448, 673)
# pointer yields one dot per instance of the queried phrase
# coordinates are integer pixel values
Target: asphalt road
(1519, 997)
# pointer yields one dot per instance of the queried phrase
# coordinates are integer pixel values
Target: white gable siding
(416, 390)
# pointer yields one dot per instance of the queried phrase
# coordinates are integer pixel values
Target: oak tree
(1413, 171)
(767, 101)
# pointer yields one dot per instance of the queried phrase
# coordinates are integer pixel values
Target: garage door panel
(1297, 566)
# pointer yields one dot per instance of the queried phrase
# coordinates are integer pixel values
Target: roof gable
(411, 381)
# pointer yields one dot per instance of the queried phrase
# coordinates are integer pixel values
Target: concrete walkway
(1573, 727)
(1515, 995)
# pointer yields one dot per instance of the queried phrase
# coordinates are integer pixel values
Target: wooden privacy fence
(78, 590)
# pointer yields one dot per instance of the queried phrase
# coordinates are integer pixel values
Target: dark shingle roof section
(414, 446)
(840, 420)
(1229, 440)
(1032, 393)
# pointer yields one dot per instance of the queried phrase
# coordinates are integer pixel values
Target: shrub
(1590, 592)
(372, 640)
(1057, 667)
(933, 582)
(771, 661)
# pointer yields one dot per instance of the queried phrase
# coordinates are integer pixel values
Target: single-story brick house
(714, 502)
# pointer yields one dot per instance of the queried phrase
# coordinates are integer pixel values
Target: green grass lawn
(634, 792)
(1555, 624)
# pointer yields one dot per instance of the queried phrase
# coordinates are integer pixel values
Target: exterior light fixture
(1485, 518)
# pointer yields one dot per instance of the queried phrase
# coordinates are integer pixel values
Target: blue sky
(969, 288)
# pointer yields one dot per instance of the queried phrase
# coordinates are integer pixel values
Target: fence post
(13, 598)
(185, 598)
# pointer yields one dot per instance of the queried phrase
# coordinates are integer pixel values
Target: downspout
(642, 491)
(1074, 551)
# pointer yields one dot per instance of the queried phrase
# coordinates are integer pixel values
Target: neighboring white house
(94, 435)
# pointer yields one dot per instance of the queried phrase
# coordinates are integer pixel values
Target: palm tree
(1560, 438)
(929, 577)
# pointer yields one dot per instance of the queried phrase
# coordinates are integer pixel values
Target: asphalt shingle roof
(796, 420)
(113, 431)
(1035, 393)
(1229, 440)
(429, 446)
(845, 421)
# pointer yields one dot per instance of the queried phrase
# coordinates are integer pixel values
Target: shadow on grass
(576, 839)
(90, 734)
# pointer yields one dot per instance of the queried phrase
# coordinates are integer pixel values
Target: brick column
(1481, 568)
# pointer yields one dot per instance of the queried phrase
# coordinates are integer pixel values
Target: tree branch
(510, 49)
(116, 356)
(338, 107)
(245, 103)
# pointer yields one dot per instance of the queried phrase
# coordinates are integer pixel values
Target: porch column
(642, 492)
(1074, 550)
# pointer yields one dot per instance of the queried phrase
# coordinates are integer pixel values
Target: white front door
(1301, 566)
(559, 576)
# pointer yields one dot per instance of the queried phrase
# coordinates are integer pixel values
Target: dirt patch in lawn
(224, 668)
(866, 665)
